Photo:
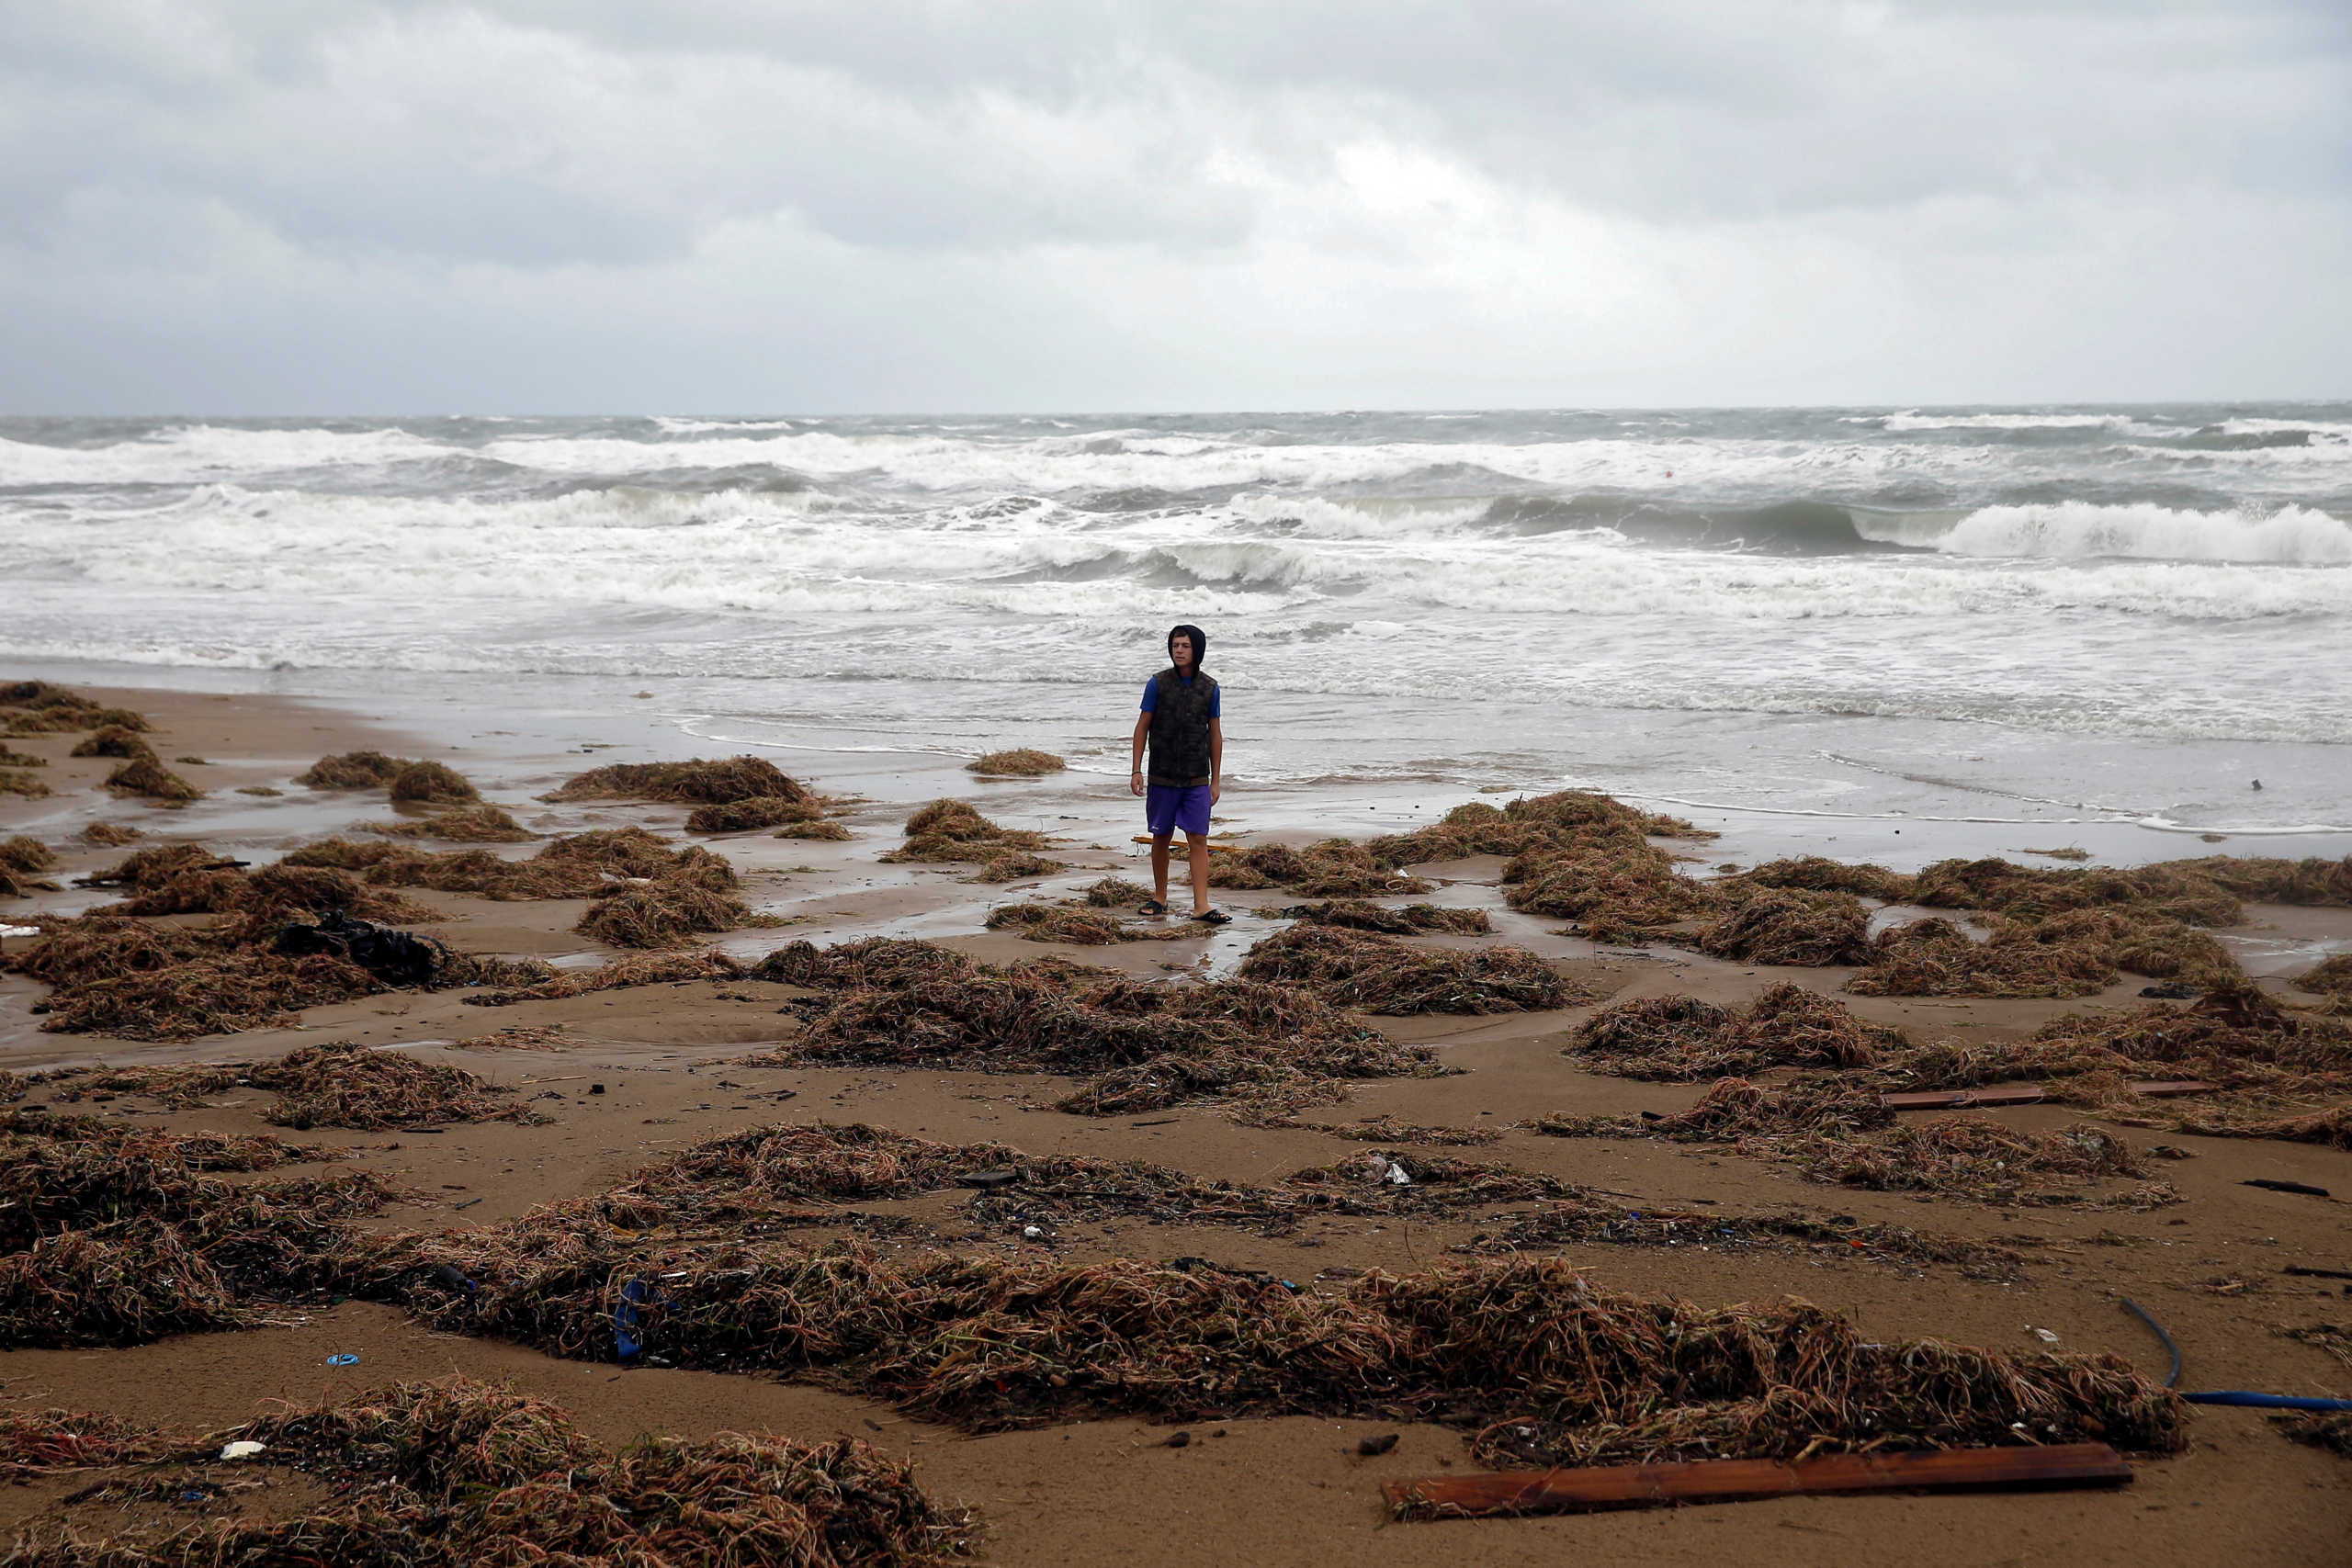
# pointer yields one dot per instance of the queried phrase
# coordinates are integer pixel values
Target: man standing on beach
(1183, 718)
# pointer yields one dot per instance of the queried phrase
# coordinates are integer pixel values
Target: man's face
(1180, 648)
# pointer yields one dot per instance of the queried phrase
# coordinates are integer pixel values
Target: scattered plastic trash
(635, 1294)
(342, 1358)
(454, 1279)
(1035, 1233)
(244, 1448)
(2045, 1337)
(20, 930)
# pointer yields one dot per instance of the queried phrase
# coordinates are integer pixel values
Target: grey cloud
(568, 205)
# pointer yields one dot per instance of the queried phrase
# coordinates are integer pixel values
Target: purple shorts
(1167, 807)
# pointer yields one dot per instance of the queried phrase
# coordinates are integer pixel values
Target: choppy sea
(2114, 615)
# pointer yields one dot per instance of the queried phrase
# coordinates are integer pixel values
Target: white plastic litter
(1032, 1232)
(244, 1447)
(2045, 1337)
(1396, 1176)
(20, 930)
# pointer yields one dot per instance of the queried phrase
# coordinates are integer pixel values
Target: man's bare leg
(1160, 868)
(1199, 845)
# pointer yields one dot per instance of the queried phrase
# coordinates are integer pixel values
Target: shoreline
(1292, 1487)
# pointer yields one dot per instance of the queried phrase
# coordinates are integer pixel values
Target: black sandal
(1152, 906)
(1212, 917)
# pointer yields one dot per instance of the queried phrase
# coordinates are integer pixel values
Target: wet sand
(1270, 1491)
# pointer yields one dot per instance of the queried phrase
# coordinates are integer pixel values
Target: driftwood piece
(1738, 1480)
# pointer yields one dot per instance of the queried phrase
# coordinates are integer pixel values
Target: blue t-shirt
(1151, 696)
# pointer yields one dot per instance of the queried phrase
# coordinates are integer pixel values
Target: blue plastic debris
(342, 1358)
(634, 1294)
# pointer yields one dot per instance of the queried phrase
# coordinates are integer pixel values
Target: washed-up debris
(1679, 1038)
(696, 783)
(1380, 975)
(2045, 1468)
(1022, 763)
(459, 1473)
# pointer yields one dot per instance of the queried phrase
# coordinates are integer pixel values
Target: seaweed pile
(2272, 1072)
(1522, 1352)
(644, 893)
(1583, 1221)
(36, 708)
(954, 831)
(1359, 969)
(111, 835)
(343, 1083)
(1840, 1133)
(1935, 957)
(1021, 763)
(2331, 977)
(476, 824)
(1331, 868)
(114, 972)
(22, 860)
(457, 1473)
(1413, 920)
(1792, 926)
(695, 783)
(2322, 1429)
(1142, 1046)
(1528, 823)
(433, 783)
(1817, 874)
(1038, 921)
(758, 811)
(353, 770)
(633, 969)
(1677, 1039)
(1115, 893)
(115, 1236)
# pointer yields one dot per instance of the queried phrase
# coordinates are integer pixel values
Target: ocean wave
(2123, 423)
(2077, 530)
(196, 452)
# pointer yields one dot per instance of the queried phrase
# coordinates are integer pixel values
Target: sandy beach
(641, 1074)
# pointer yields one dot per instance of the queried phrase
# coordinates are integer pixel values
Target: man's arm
(1217, 759)
(1143, 729)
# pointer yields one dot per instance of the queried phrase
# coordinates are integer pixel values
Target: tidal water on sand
(2086, 614)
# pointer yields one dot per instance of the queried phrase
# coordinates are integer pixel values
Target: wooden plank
(1959, 1099)
(1217, 846)
(1579, 1491)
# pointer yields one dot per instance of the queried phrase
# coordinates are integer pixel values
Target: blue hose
(2266, 1401)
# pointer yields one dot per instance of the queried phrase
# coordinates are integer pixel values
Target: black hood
(1199, 646)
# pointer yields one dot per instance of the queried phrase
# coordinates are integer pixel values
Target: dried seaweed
(145, 776)
(832, 831)
(636, 969)
(433, 783)
(26, 854)
(1677, 1038)
(1583, 1221)
(1377, 974)
(757, 811)
(458, 1474)
(1142, 1047)
(16, 781)
(1113, 893)
(1021, 763)
(1813, 874)
(467, 825)
(695, 783)
(342, 1084)
(1547, 820)
(2332, 976)
(1084, 928)
(1936, 958)
(353, 770)
(111, 835)
(1792, 927)
(114, 740)
(667, 912)
(1413, 920)
(953, 831)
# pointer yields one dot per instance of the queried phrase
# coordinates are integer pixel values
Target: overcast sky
(553, 206)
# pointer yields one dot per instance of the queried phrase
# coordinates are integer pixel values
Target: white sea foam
(198, 452)
(2076, 530)
(2122, 424)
